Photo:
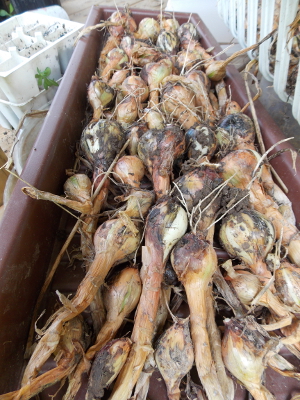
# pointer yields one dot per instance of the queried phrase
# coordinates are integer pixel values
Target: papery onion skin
(244, 350)
(118, 78)
(170, 24)
(245, 284)
(127, 23)
(153, 74)
(134, 133)
(174, 356)
(287, 283)
(154, 119)
(136, 86)
(129, 170)
(127, 111)
(166, 224)
(115, 60)
(148, 29)
(232, 107)
(195, 261)
(216, 71)
(238, 166)
(178, 101)
(100, 95)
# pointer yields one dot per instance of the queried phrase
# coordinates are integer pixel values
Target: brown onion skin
(128, 24)
(136, 86)
(130, 170)
(134, 133)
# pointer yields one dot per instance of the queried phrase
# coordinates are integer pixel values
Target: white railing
(250, 21)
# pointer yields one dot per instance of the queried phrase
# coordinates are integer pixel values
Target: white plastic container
(241, 16)
(39, 42)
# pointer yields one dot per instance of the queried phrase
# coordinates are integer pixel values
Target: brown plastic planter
(30, 228)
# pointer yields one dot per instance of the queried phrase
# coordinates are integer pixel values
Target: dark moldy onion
(101, 142)
(201, 143)
(106, 366)
(170, 277)
(186, 32)
(240, 129)
(168, 42)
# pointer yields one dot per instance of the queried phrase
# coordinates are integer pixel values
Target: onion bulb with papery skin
(201, 143)
(249, 236)
(187, 59)
(170, 24)
(239, 166)
(148, 29)
(115, 60)
(100, 95)
(134, 133)
(232, 107)
(77, 189)
(178, 102)
(174, 356)
(195, 187)
(135, 86)
(118, 78)
(238, 132)
(129, 170)
(287, 283)
(127, 23)
(158, 149)
(127, 111)
(168, 42)
(154, 119)
(245, 353)
(153, 74)
(245, 284)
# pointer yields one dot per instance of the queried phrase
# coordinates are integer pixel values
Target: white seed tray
(29, 41)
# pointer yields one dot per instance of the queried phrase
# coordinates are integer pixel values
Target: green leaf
(40, 81)
(45, 85)
(11, 8)
(47, 72)
(51, 82)
(4, 13)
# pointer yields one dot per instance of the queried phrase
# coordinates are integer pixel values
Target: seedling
(4, 13)
(43, 80)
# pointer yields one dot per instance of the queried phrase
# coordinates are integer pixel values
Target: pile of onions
(164, 154)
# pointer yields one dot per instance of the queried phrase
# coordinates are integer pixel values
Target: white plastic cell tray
(29, 41)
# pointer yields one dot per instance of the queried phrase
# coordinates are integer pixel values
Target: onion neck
(161, 182)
